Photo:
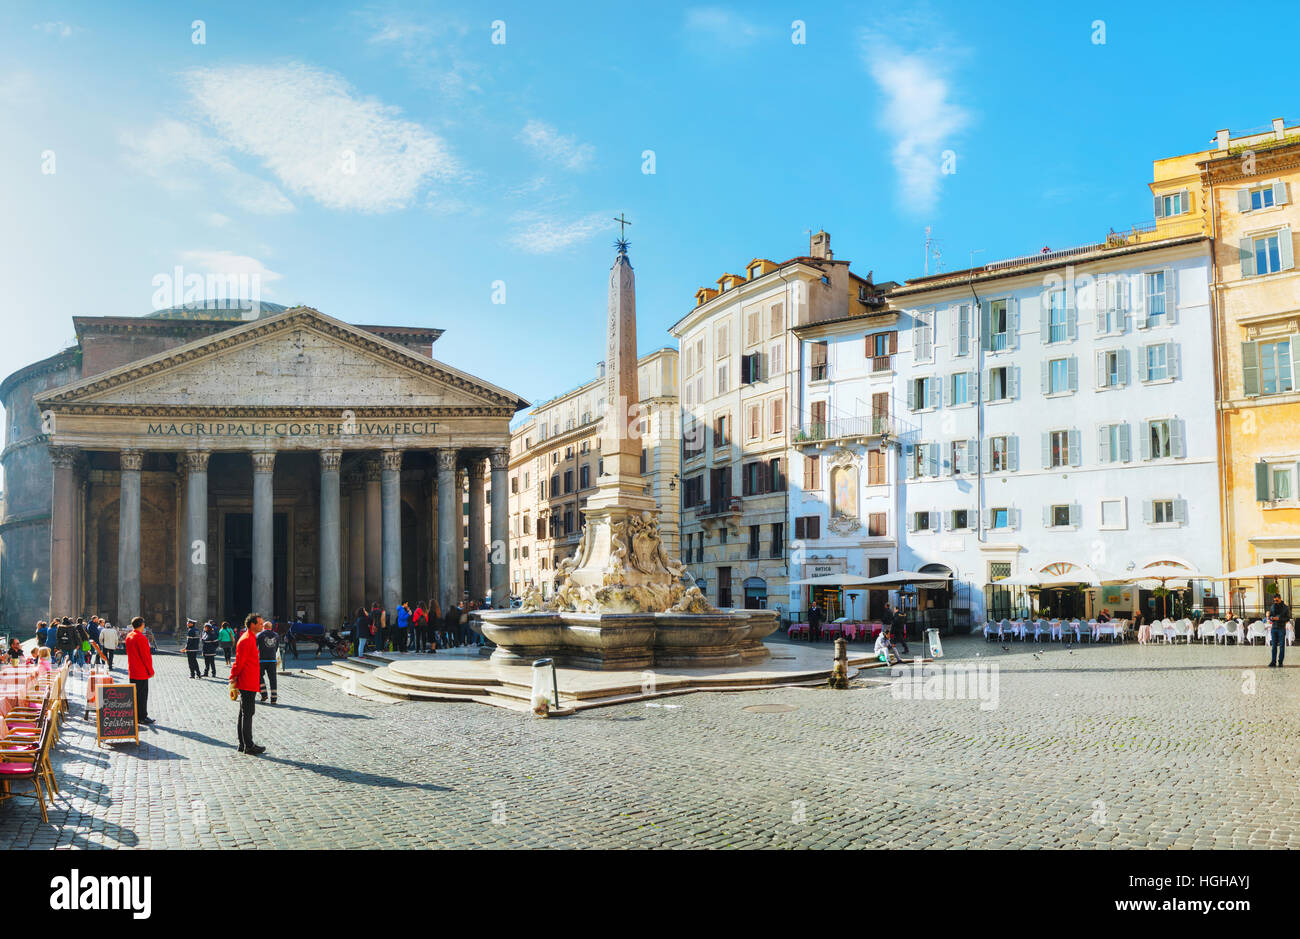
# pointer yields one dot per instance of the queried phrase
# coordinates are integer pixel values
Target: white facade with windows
(1063, 410)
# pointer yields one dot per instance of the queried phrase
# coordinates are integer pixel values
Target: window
(1282, 483)
(1275, 482)
(1155, 366)
(923, 336)
(1163, 439)
(811, 473)
(584, 476)
(817, 361)
(959, 389)
(1112, 368)
(751, 368)
(923, 521)
(961, 329)
(721, 433)
(921, 394)
(1112, 294)
(880, 350)
(1112, 514)
(753, 327)
(777, 548)
(776, 359)
(568, 481)
(555, 485)
(724, 587)
(722, 378)
(923, 460)
(1268, 367)
(876, 525)
(1165, 512)
(775, 475)
(692, 491)
(1000, 383)
(645, 460)
(998, 327)
(1056, 317)
(960, 520)
(777, 411)
(692, 438)
(1262, 198)
(777, 318)
(1113, 443)
(514, 485)
(817, 419)
(1060, 448)
(1058, 516)
(1002, 455)
(876, 473)
(999, 518)
(754, 537)
(807, 528)
(1061, 376)
(568, 522)
(1155, 281)
(1173, 203)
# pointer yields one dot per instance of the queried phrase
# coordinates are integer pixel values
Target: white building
(1053, 410)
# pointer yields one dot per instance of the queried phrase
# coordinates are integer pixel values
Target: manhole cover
(771, 708)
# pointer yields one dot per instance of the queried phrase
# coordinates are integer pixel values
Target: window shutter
(893, 342)
(909, 459)
(1123, 300)
(1147, 512)
(972, 456)
(1261, 482)
(1076, 448)
(1103, 291)
(954, 329)
(1046, 371)
(1076, 514)
(1250, 368)
(1180, 511)
(986, 456)
(1125, 444)
(1013, 518)
(1074, 373)
(1103, 444)
(1101, 369)
(1123, 367)
(1047, 450)
(1171, 296)
(1144, 442)
(1172, 357)
(934, 521)
(1286, 249)
(1013, 453)
(1185, 200)
(1279, 193)
(946, 392)
(1293, 347)
(1243, 200)
(1247, 250)
(988, 518)
(1071, 313)
(1013, 381)
(973, 384)
(1047, 516)
(1146, 362)
(1159, 207)
(1177, 441)
(1045, 317)
(911, 395)
(911, 521)
(1013, 324)
(934, 459)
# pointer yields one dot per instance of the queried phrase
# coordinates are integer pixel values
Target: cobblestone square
(1125, 746)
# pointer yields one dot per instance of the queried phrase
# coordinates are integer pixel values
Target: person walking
(245, 676)
(139, 667)
(898, 628)
(108, 641)
(814, 622)
(66, 637)
(226, 636)
(268, 647)
(210, 643)
(193, 645)
(1278, 615)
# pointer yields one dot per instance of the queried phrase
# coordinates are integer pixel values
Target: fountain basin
(629, 640)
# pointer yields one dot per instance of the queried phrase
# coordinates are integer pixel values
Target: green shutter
(1247, 249)
(1250, 368)
(1261, 481)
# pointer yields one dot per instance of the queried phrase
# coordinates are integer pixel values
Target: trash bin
(935, 644)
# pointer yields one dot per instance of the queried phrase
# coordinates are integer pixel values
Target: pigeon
(1036, 655)
(1005, 649)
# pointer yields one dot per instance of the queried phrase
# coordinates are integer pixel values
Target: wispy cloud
(184, 159)
(718, 26)
(549, 144)
(227, 262)
(319, 137)
(919, 114)
(57, 28)
(431, 51)
(543, 233)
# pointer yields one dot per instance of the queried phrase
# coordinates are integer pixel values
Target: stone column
(330, 610)
(356, 542)
(460, 533)
(195, 549)
(477, 536)
(448, 512)
(374, 537)
(263, 533)
(391, 484)
(500, 547)
(63, 532)
(128, 537)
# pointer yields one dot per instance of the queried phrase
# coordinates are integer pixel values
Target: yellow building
(1242, 192)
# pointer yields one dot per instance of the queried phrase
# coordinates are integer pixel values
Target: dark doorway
(877, 600)
(237, 551)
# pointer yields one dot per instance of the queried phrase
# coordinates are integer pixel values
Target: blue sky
(474, 162)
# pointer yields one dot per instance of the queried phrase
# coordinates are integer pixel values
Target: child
(43, 663)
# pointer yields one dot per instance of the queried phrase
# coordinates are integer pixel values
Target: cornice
(257, 411)
(54, 363)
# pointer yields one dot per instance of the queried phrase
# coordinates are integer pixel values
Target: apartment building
(555, 461)
(736, 346)
(1062, 414)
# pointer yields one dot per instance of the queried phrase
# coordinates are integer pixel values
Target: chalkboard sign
(116, 718)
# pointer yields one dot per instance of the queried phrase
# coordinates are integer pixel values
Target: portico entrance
(236, 573)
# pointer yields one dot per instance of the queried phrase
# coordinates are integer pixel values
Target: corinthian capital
(331, 460)
(372, 471)
(499, 458)
(131, 459)
(391, 459)
(263, 461)
(64, 457)
(196, 461)
(446, 460)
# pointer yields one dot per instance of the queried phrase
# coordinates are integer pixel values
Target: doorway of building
(237, 565)
(877, 600)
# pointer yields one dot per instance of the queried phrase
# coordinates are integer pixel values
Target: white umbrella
(902, 578)
(833, 580)
(1027, 579)
(1267, 569)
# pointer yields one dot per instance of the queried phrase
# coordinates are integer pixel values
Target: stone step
(377, 682)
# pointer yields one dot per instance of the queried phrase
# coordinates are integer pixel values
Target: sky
(449, 166)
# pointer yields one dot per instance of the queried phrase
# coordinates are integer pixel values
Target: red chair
(28, 764)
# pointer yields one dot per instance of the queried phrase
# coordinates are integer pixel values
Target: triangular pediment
(296, 359)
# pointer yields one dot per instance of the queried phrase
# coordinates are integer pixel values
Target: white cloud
(541, 233)
(180, 156)
(57, 28)
(430, 51)
(720, 27)
(919, 115)
(216, 219)
(319, 137)
(227, 262)
(549, 144)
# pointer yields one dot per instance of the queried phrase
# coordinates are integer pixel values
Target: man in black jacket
(1278, 614)
(66, 637)
(814, 622)
(193, 645)
(898, 629)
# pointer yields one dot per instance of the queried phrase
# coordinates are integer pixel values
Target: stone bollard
(840, 670)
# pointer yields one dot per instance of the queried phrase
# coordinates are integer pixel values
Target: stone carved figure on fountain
(532, 601)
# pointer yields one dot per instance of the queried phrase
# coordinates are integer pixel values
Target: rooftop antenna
(973, 252)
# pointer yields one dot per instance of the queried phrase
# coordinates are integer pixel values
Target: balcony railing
(882, 363)
(840, 427)
(716, 507)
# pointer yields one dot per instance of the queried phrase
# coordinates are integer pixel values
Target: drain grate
(770, 708)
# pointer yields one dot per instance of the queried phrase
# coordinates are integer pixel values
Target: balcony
(840, 428)
(717, 508)
(882, 363)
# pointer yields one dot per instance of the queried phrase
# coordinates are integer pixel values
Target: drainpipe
(1220, 394)
(978, 341)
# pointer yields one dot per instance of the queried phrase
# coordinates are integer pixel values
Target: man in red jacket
(245, 676)
(139, 662)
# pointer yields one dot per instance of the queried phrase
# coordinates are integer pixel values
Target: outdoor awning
(1267, 569)
(925, 581)
(833, 580)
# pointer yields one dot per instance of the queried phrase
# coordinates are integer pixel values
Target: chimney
(1277, 128)
(600, 370)
(819, 246)
(1221, 140)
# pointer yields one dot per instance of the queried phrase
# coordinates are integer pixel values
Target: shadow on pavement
(354, 776)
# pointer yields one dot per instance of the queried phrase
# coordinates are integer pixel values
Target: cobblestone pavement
(1184, 747)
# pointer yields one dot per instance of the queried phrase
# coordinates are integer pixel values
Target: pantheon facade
(205, 464)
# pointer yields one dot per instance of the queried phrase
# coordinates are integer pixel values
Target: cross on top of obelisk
(622, 242)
